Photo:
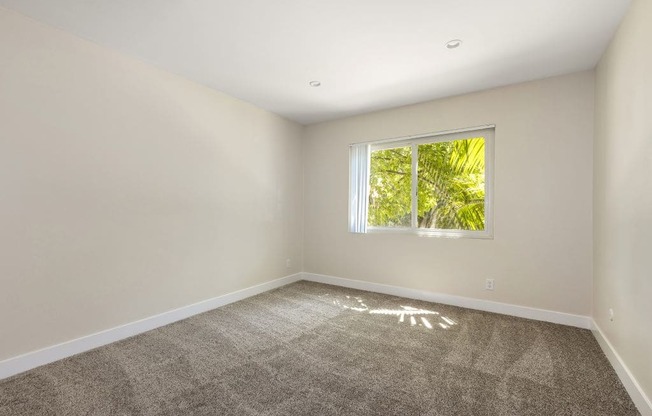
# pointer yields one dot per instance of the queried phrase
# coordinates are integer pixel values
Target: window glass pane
(451, 185)
(390, 184)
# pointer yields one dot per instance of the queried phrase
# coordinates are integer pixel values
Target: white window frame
(486, 131)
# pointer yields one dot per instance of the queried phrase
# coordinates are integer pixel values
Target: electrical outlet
(611, 314)
(489, 284)
(288, 263)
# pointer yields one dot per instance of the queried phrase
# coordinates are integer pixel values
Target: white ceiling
(368, 54)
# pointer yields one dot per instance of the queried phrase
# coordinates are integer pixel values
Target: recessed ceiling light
(453, 44)
(314, 83)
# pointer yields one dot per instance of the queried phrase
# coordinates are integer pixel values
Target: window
(438, 184)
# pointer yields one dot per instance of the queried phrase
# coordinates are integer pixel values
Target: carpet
(314, 349)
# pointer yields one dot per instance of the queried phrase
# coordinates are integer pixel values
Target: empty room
(326, 208)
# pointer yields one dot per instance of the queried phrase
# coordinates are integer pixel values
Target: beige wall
(541, 254)
(623, 193)
(128, 191)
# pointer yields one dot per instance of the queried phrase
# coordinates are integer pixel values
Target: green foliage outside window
(390, 188)
(450, 186)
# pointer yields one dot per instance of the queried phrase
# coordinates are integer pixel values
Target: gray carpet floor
(313, 349)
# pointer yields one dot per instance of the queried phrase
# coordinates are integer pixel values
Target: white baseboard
(640, 399)
(30, 360)
(471, 303)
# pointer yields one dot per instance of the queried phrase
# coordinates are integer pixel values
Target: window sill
(481, 235)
